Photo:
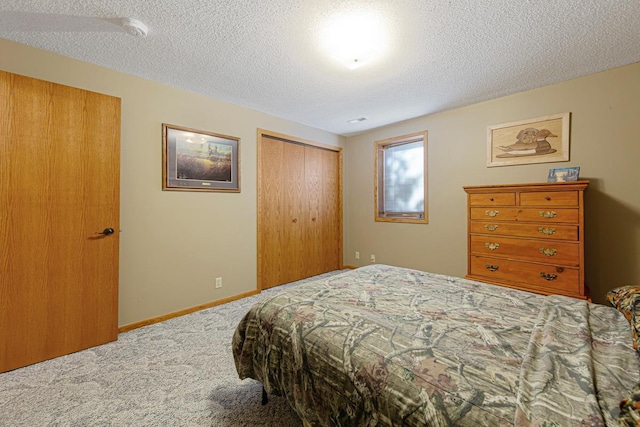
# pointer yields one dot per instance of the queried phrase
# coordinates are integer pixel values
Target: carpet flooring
(175, 373)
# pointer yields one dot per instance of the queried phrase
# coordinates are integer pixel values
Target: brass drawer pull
(548, 251)
(547, 198)
(491, 199)
(548, 277)
(491, 227)
(548, 214)
(491, 267)
(547, 231)
(492, 214)
(492, 246)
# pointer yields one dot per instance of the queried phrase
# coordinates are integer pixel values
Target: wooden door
(282, 209)
(324, 226)
(330, 213)
(298, 234)
(292, 258)
(314, 186)
(271, 213)
(59, 187)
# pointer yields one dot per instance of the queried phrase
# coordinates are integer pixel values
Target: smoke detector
(135, 27)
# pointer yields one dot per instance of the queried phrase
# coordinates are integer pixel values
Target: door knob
(107, 231)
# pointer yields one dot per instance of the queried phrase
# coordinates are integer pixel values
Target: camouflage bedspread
(382, 346)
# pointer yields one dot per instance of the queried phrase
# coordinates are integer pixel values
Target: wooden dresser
(528, 236)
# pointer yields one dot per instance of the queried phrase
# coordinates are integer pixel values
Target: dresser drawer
(492, 199)
(552, 215)
(546, 251)
(549, 198)
(538, 277)
(541, 231)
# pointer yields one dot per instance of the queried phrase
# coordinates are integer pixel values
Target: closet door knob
(295, 219)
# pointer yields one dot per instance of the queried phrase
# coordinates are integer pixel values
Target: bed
(389, 346)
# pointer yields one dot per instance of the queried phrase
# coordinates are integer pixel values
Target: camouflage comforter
(383, 345)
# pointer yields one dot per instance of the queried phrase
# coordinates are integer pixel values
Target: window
(401, 179)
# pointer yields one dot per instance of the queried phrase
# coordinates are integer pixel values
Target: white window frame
(380, 147)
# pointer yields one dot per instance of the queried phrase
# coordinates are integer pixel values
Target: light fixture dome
(354, 38)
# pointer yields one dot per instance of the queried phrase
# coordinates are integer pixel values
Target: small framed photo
(563, 174)
(195, 160)
(540, 140)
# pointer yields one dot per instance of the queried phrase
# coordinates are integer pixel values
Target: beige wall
(605, 114)
(173, 244)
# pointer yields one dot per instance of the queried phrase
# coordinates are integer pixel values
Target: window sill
(407, 220)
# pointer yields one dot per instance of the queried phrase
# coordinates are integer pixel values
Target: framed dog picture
(539, 140)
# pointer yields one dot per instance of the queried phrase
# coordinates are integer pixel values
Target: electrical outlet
(357, 255)
(373, 258)
(218, 282)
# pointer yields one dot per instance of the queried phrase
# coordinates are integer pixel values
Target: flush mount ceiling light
(354, 38)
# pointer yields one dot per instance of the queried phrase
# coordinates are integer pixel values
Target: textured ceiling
(266, 55)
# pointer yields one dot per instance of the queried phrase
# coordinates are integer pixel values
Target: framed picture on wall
(195, 160)
(539, 140)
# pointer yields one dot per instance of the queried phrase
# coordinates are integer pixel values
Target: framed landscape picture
(195, 160)
(539, 140)
(563, 174)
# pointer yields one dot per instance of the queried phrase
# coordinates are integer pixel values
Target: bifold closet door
(271, 212)
(323, 231)
(330, 213)
(59, 219)
(295, 209)
(299, 211)
(313, 234)
(281, 217)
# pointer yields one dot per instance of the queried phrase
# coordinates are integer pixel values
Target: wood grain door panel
(272, 217)
(294, 220)
(59, 186)
(313, 247)
(330, 212)
(299, 210)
